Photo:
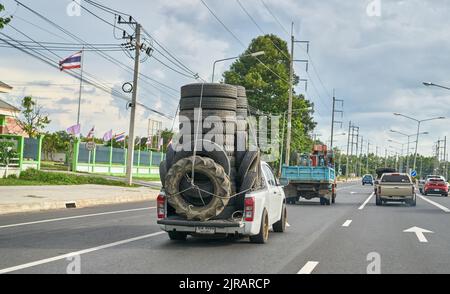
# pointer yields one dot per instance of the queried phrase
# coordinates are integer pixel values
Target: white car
(263, 209)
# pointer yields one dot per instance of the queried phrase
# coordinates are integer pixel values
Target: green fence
(28, 153)
(108, 160)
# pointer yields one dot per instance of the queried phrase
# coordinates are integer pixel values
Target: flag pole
(81, 86)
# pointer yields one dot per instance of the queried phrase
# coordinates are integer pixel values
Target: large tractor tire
(208, 90)
(225, 115)
(215, 103)
(224, 158)
(206, 167)
(163, 172)
(249, 160)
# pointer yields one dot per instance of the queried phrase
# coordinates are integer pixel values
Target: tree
(32, 121)
(268, 89)
(3, 20)
(56, 142)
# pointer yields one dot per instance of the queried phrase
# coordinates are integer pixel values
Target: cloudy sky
(376, 59)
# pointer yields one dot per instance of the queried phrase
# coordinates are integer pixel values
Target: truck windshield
(395, 179)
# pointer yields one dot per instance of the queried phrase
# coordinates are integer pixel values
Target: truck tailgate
(396, 189)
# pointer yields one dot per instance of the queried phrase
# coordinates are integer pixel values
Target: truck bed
(307, 174)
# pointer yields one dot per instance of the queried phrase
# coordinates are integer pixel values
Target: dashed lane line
(308, 268)
(347, 223)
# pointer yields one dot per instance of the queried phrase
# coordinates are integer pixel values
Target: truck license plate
(205, 230)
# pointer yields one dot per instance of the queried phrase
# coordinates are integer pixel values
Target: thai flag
(91, 133)
(74, 130)
(120, 137)
(71, 62)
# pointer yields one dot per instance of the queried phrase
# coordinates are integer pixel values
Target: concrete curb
(83, 203)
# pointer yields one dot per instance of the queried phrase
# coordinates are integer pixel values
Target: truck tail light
(249, 209)
(161, 206)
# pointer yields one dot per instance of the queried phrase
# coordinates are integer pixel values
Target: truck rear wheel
(177, 236)
(280, 226)
(378, 201)
(263, 234)
(324, 201)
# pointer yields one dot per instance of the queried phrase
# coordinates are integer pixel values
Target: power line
(260, 29)
(178, 63)
(102, 54)
(274, 17)
(89, 80)
(239, 40)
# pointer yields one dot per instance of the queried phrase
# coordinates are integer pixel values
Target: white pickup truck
(263, 209)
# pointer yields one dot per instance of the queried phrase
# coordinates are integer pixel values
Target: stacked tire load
(204, 186)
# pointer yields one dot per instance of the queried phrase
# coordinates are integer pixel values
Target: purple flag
(108, 136)
(74, 130)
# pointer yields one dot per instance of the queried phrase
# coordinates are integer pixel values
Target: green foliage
(3, 20)
(56, 142)
(7, 152)
(32, 121)
(270, 94)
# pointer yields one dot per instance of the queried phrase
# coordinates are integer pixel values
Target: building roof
(5, 88)
(6, 106)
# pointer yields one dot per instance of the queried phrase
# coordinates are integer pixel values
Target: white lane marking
(347, 223)
(76, 253)
(74, 217)
(367, 201)
(435, 204)
(308, 268)
(419, 233)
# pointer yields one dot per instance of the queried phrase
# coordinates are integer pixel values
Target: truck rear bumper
(219, 227)
(397, 198)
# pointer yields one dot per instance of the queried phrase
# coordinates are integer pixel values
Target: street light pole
(419, 122)
(256, 54)
(428, 84)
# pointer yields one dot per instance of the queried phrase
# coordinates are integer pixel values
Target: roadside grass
(33, 177)
(150, 178)
(49, 165)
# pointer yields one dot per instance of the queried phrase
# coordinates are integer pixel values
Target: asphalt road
(350, 237)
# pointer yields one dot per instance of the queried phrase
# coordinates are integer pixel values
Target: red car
(436, 186)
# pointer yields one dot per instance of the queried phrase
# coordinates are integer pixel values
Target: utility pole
(445, 158)
(385, 158)
(137, 62)
(348, 150)
(368, 150)
(376, 158)
(333, 115)
(357, 151)
(291, 78)
(360, 156)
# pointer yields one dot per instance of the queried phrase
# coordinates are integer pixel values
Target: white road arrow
(419, 233)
